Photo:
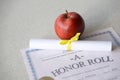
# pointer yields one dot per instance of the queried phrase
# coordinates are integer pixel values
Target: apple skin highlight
(68, 24)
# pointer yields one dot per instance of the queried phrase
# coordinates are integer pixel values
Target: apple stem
(67, 13)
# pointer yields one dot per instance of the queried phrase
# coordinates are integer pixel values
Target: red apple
(68, 24)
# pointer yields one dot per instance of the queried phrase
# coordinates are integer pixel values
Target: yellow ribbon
(68, 42)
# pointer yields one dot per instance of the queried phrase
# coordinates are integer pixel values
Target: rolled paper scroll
(77, 45)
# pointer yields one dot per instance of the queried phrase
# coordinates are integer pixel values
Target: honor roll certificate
(76, 65)
(73, 65)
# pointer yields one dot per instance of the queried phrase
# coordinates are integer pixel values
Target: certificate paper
(76, 65)
(104, 35)
(73, 65)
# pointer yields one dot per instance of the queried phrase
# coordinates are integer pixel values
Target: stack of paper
(52, 63)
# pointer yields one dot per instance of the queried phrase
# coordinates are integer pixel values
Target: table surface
(21, 20)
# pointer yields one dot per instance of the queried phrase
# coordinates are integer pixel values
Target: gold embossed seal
(46, 78)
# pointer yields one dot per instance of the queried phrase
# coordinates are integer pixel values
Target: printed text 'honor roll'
(77, 45)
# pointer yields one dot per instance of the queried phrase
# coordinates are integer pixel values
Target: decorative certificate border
(29, 51)
(30, 62)
(106, 32)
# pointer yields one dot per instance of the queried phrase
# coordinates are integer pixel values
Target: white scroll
(77, 45)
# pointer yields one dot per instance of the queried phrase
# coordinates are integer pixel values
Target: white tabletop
(21, 20)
